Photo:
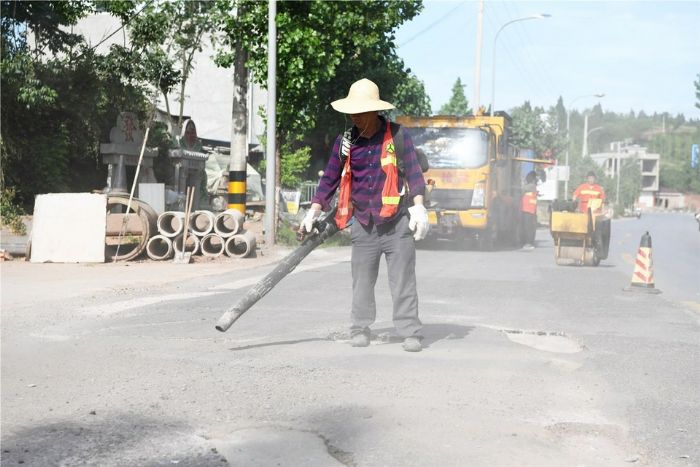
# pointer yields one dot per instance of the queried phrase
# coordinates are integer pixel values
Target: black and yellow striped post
(237, 190)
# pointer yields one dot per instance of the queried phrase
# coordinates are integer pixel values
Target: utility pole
(239, 130)
(568, 138)
(271, 192)
(617, 188)
(584, 146)
(477, 67)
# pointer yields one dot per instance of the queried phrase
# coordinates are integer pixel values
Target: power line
(433, 24)
(533, 83)
(526, 61)
(525, 32)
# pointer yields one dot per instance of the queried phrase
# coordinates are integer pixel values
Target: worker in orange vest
(588, 191)
(528, 211)
(382, 206)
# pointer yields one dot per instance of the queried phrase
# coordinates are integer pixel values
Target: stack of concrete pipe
(209, 234)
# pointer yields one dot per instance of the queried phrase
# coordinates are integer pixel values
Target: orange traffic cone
(643, 275)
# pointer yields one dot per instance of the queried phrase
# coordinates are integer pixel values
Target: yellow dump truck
(580, 238)
(475, 176)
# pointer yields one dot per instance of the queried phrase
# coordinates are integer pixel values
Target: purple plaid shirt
(367, 175)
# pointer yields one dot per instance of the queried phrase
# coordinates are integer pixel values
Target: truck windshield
(452, 148)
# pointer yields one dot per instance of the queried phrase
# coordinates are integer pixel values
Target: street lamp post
(586, 134)
(493, 62)
(568, 139)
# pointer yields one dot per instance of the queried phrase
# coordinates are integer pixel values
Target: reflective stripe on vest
(344, 212)
(587, 192)
(390, 193)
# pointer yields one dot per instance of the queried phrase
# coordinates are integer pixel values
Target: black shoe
(412, 344)
(359, 340)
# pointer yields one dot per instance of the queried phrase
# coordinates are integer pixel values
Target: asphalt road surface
(526, 363)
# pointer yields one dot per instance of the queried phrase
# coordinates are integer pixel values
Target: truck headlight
(478, 195)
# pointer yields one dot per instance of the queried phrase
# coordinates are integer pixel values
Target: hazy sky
(644, 55)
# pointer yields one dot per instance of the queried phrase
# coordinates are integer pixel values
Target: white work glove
(418, 221)
(308, 222)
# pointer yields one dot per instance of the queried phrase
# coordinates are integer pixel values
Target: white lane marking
(118, 307)
(239, 284)
(248, 281)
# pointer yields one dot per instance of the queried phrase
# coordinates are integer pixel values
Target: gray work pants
(396, 242)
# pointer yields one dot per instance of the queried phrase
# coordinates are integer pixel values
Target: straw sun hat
(362, 97)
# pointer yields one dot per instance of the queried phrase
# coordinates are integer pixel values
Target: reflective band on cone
(643, 275)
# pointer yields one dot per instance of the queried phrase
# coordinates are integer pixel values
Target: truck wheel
(601, 239)
(487, 239)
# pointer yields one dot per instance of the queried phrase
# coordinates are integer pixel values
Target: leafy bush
(10, 212)
(294, 165)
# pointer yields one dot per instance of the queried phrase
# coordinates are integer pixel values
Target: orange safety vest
(587, 191)
(390, 191)
(529, 202)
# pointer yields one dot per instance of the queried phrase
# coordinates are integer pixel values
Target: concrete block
(69, 228)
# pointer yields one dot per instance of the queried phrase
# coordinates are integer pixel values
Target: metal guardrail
(308, 190)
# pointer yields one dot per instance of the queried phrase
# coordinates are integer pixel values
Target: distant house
(649, 164)
(668, 199)
(209, 90)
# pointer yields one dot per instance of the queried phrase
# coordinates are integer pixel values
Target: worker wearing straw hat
(381, 199)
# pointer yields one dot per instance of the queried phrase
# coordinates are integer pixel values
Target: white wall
(209, 88)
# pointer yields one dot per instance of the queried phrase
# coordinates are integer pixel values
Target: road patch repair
(546, 341)
(279, 445)
(556, 342)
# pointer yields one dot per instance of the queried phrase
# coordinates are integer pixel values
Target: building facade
(649, 165)
(209, 88)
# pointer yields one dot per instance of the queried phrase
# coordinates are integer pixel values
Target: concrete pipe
(159, 248)
(212, 245)
(192, 244)
(229, 223)
(202, 222)
(126, 234)
(171, 223)
(241, 245)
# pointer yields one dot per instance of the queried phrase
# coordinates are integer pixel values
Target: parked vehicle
(475, 175)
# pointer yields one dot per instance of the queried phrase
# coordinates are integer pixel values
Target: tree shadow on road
(122, 440)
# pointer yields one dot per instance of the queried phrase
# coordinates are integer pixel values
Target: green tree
(166, 36)
(630, 184)
(411, 99)
(458, 104)
(697, 92)
(59, 100)
(675, 171)
(322, 47)
(533, 128)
